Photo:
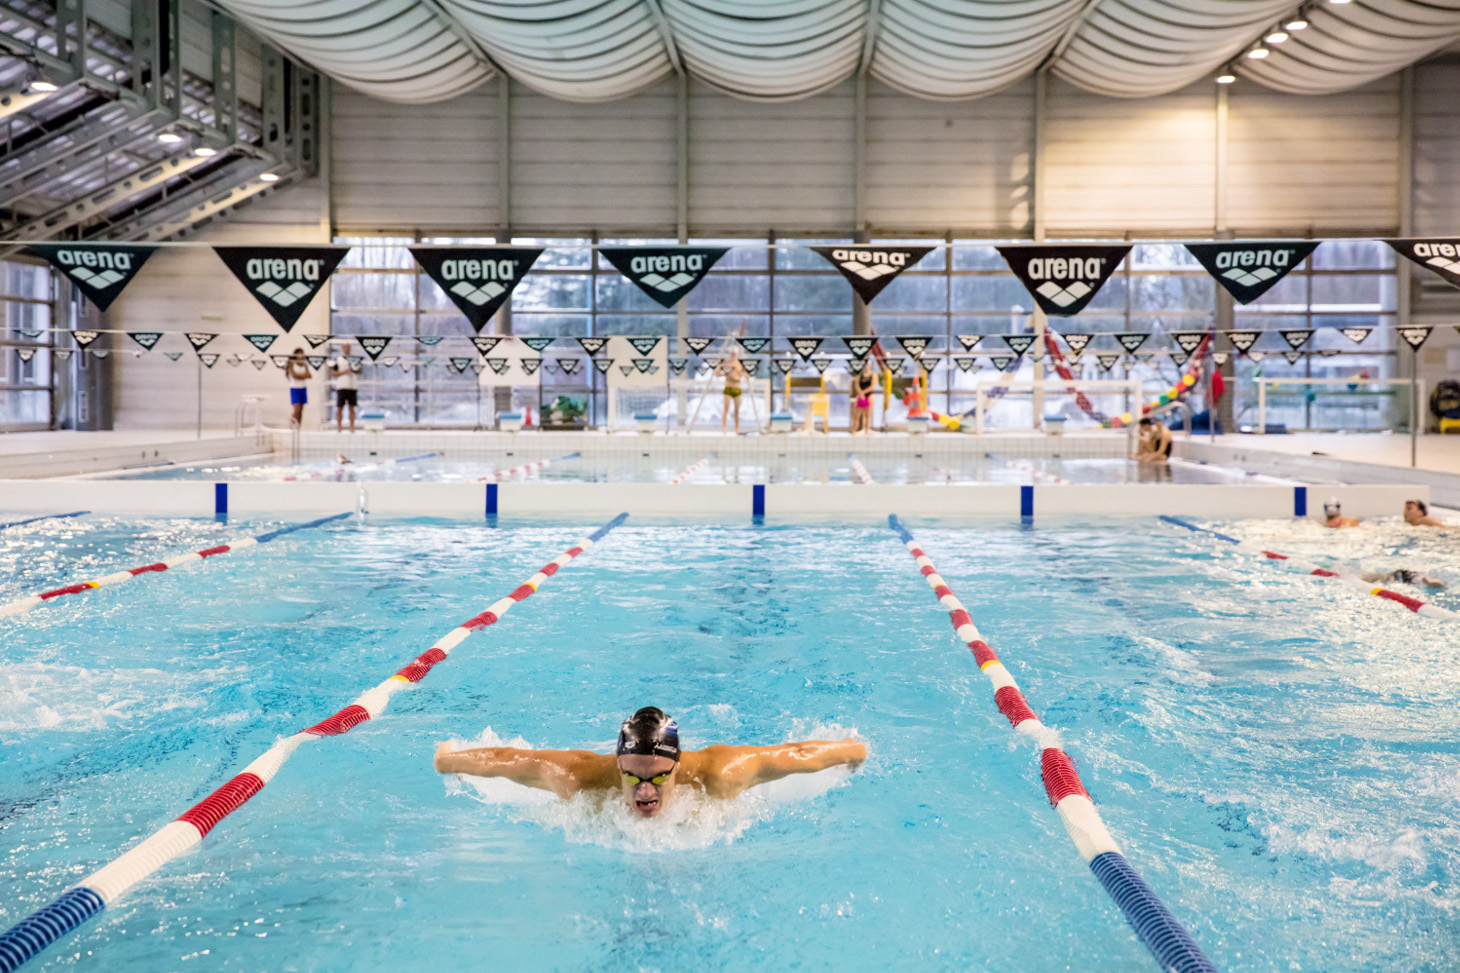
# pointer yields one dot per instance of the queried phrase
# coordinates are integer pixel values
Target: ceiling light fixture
(1299, 24)
(1338, 1)
(269, 177)
(204, 152)
(1276, 37)
(42, 85)
(169, 137)
(1226, 78)
(1258, 53)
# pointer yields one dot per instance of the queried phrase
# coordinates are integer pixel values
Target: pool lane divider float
(524, 468)
(863, 476)
(692, 469)
(23, 605)
(353, 468)
(92, 895)
(1160, 931)
(1415, 605)
(1030, 468)
(31, 520)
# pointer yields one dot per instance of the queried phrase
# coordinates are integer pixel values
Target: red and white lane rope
(861, 471)
(524, 468)
(23, 605)
(692, 469)
(354, 468)
(1415, 605)
(1030, 468)
(1170, 944)
(94, 893)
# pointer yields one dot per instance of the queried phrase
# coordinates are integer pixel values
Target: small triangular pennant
(1328, 352)
(821, 364)
(1187, 341)
(1002, 362)
(477, 367)
(1243, 340)
(199, 338)
(1296, 337)
(208, 358)
(549, 366)
(100, 352)
(626, 370)
(354, 361)
(1292, 356)
(315, 340)
(1179, 358)
(1131, 340)
(602, 365)
(261, 341)
(315, 361)
(859, 345)
(530, 365)
(1107, 362)
(147, 339)
(592, 345)
(65, 353)
(676, 365)
(1415, 335)
(258, 363)
(570, 366)
(373, 345)
(1220, 357)
(499, 365)
(643, 365)
(485, 343)
(969, 341)
(753, 345)
(696, 345)
(645, 345)
(965, 364)
(85, 338)
(281, 360)
(1257, 356)
(429, 340)
(914, 345)
(893, 363)
(389, 360)
(537, 343)
(1018, 343)
(1357, 335)
(805, 347)
(173, 355)
(784, 365)
(460, 364)
(1077, 343)
(26, 354)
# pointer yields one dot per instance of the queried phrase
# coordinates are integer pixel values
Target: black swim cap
(649, 732)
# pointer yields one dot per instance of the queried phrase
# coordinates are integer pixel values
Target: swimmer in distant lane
(1417, 514)
(648, 764)
(1333, 515)
(1405, 576)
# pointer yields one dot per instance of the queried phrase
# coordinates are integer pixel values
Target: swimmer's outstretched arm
(564, 772)
(730, 770)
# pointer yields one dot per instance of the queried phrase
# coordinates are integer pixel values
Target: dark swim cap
(651, 733)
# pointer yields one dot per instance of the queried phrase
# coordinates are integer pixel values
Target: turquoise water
(974, 468)
(1274, 753)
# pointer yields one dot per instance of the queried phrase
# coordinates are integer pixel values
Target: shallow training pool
(1275, 754)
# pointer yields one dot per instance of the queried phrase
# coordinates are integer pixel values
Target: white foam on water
(71, 698)
(692, 820)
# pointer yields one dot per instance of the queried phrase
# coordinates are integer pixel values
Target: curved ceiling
(598, 50)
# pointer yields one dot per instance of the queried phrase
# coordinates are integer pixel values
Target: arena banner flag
(147, 339)
(1063, 279)
(1440, 254)
(373, 345)
(1250, 268)
(282, 279)
(664, 273)
(100, 270)
(479, 280)
(870, 268)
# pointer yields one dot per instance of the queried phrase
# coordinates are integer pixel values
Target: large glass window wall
(26, 384)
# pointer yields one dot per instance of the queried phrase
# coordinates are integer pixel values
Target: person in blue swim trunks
(296, 370)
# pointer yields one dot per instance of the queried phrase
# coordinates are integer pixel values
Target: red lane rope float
(525, 467)
(1415, 605)
(26, 604)
(692, 469)
(90, 896)
(861, 471)
(1170, 943)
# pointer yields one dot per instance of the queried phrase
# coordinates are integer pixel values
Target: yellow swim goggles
(657, 780)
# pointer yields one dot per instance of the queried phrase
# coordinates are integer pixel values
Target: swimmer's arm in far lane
(729, 770)
(564, 772)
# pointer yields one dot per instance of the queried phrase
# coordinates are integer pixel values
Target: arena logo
(100, 272)
(869, 269)
(1063, 279)
(284, 280)
(1439, 254)
(667, 274)
(1247, 269)
(478, 280)
(373, 345)
(147, 339)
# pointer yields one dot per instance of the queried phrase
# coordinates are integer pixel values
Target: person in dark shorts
(346, 376)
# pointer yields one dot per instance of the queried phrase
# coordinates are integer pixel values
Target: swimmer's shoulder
(588, 770)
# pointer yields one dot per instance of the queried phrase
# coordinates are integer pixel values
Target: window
(25, 346)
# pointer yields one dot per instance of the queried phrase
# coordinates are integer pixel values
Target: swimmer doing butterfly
(648, 765)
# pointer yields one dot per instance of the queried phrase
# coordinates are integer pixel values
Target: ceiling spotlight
(1226, 78)
(204, 152)
(1258, 53)
(42, 85)
(169, 137)
(269, 177)
(1338, 1)
(1299, 24)
(1276, 37)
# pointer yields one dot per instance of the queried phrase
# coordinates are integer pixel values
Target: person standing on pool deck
(648, 765)
(864, 383)
(1417, 514)
(346, 386)
(296, 369)
(1333, 515)
(734, 372)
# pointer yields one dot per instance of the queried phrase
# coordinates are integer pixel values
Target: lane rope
(503, 474)
(17, 523)
(1160, 931)
(693, 468)
(352, 468)
(1030, 468)
(1416, 605)
(90, 896)
(861, 471)
(23, 605)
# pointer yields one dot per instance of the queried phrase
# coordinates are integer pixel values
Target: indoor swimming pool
(1272, 752)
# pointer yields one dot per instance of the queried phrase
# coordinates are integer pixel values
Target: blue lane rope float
(1415, 605)
(23, 605)
(526, 467)
(1155, 926)
(93, 894)
(31, 520)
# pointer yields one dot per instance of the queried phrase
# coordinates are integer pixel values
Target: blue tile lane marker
(491, 499)
(220, 498)
(757, 499)
(1026, 501)
(1300, 501)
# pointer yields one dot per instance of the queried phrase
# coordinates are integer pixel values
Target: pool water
(974, 468)
(1274, 753)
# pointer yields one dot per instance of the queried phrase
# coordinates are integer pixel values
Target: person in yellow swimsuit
(734, 373)
(647, 765)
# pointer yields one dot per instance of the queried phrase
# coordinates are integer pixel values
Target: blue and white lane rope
(31, 520)
(23, 605)
(40, 929)
(692, 469)
(1160, 931)
(862, 475)
(526, 467)
(354, 468)
(1415, 605)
